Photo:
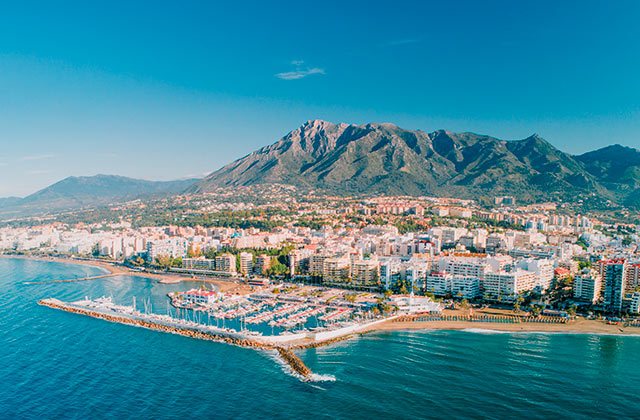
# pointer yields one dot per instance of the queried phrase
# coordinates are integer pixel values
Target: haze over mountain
(84, 191)
(384, 158)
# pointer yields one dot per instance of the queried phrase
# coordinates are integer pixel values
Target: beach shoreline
(227, 286)
(578, 326)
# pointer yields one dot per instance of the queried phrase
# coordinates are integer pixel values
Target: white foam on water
(485, 331)
(317, 377)
(314, 377)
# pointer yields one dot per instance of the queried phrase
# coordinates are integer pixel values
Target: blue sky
(164, 90)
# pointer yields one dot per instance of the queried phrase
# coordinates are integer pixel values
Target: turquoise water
(59, 365)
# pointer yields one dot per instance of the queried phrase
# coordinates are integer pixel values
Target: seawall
(286, 354)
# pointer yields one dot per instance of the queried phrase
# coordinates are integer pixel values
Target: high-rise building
(635, 303)
(614, 278)
(633, 277)
(226, 263)
(263, 263)
(246, 263)
(587, 286)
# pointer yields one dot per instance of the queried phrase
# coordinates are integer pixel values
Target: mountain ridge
(89, 191)
(384, 158)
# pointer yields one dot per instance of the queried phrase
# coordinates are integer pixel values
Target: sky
(166, 90)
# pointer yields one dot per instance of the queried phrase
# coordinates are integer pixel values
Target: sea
(60, 365)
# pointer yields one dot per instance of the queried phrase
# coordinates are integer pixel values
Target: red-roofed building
(560, 273)
(197, 296)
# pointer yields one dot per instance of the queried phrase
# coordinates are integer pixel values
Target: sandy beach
(578, 326)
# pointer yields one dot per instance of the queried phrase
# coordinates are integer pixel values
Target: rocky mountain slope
(386, 159)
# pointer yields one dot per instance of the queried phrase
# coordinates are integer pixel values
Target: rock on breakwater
(294, 362)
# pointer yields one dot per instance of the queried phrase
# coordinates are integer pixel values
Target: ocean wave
(568, 332)
(486, 331)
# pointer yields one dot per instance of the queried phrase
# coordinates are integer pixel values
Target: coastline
(579, 326)
(115, 270)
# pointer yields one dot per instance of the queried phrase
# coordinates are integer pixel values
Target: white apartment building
(508, 284)
(441, 283)
(635, 303)
(587, 286)
(543, 268)
(246, 263)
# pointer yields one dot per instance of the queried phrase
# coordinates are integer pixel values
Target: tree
(464, 305)
(164, 261)
(572, 310)
(350, 297)
(277, 269)
(535, 311)
(95, 250)
(517, 303)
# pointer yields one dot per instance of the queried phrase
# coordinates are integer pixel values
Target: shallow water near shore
(59, 365)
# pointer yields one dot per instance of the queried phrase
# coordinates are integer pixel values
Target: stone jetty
(286, 353)
(296, 364)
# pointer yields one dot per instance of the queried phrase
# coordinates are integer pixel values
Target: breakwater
(294, 362)
(102, 276)
(237, 340)
(285, 353)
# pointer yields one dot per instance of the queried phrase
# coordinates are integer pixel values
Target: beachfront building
(226, 263)
(635, 303)
(202, 297)
(246, 263)
(465, 265)
(390, 269)
(633, 277)
(614, 277)
(416, 274)
(442, 284)
(172, 247)
(587, 286)
(415, 304)
(507, 285)
(336, 271)
(365, 273)
(199, 264)
(544, 269)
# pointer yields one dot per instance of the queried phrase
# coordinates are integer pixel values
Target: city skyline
(123, 94)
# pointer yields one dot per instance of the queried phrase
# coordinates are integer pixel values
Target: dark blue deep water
(59, 365)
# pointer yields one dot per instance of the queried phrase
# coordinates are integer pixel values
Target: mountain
(9, 201)
(88, 191)
(618, 169)
(384, 158)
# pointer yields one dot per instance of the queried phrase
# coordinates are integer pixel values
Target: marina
(192, 322)
(278, 310)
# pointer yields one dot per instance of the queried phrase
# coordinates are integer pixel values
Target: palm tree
(464, 305)
(517, 303)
